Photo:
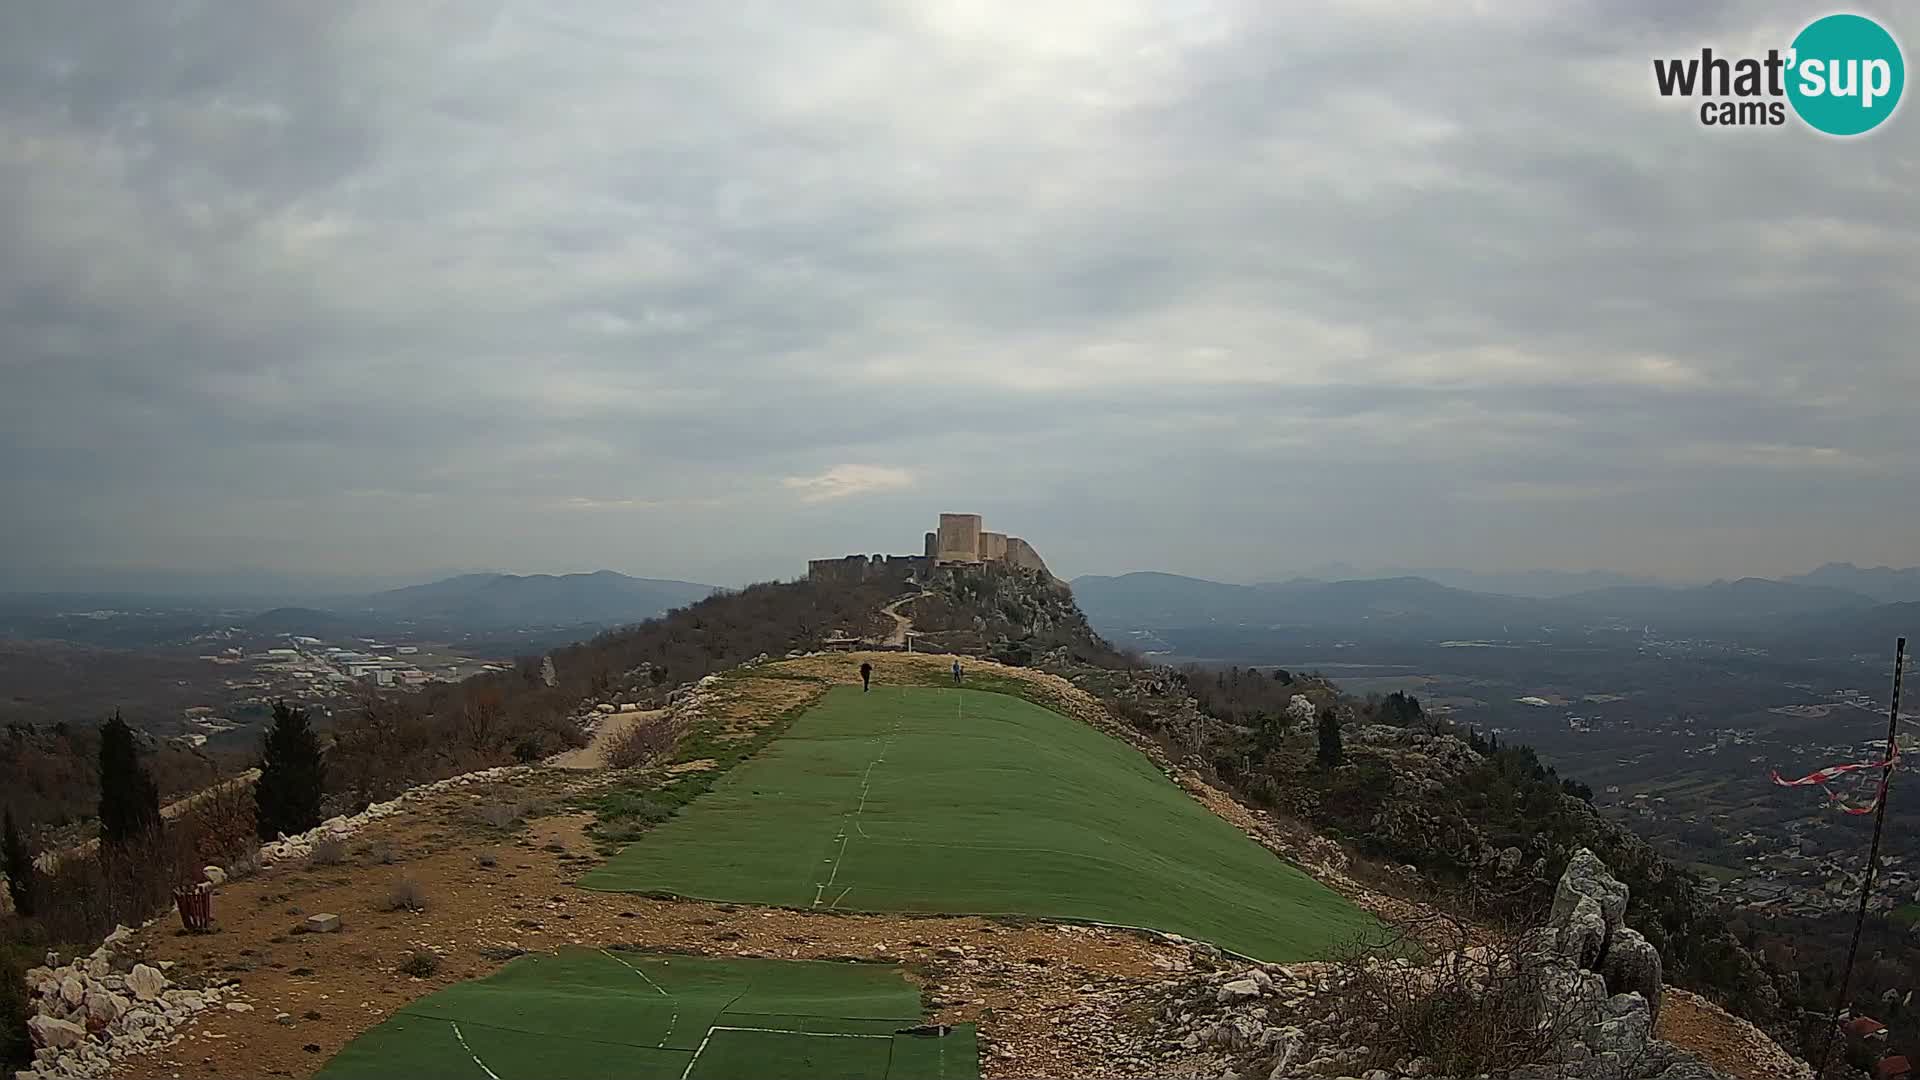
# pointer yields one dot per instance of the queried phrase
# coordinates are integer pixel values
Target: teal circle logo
(1846, 74)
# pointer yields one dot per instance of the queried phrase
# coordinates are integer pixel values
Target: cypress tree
(129, 801)
(19, 865)
(293, 774)
(1331, 751)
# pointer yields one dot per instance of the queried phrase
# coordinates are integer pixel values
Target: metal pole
(1873, 853)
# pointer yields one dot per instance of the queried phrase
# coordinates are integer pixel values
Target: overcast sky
(700, 290)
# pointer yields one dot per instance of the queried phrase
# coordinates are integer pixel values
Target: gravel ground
(1048, 998)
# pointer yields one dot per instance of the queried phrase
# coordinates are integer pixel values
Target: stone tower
(959, 538)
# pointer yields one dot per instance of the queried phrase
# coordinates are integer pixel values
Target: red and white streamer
(1824, 777)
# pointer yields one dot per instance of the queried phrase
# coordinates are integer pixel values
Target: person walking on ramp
(866, 677)
(956, 671)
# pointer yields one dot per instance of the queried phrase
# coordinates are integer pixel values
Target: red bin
(196, 906)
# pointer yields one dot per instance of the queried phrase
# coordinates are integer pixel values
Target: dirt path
(594, 754)
(902, 625)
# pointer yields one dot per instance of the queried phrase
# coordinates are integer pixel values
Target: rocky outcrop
(1595, 984)
(1589, 906)
(90, 1013)
(1632, 966)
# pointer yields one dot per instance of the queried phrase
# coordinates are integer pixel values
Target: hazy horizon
(266, 583)
(373, 290)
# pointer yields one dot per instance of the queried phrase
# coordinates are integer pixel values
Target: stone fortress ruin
(959, 541)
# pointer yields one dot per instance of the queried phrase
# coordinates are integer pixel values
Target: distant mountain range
(1148, 601)
(1169, 601)
(1747, 598)
(1869, 631)
(1537, 584)
(1882, 583)
(478, 600)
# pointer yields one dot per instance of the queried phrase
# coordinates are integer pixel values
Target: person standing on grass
(956, 671)
(866, 677)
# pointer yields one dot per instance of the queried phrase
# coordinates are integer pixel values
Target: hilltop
(1417, 822)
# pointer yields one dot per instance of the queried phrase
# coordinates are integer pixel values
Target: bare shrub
(381, 851)
(328, 851)
(406, 895)
(1483, 1007)
(15, 1043)
(497, 815)
(244, 865)
(641, 744)
(420, 963)
(220, 823)
(85, 896)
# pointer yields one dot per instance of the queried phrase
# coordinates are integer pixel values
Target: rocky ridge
(1598, 993)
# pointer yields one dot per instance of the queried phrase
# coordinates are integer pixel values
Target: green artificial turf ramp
(590, 1015)
(965, 802)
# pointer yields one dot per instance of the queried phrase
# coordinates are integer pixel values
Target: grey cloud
(513, 285)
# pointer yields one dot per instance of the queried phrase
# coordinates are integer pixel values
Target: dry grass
(497, 815)
(641, 744)
(420, 963)
(328, 851)
(747, 704)
(406, 894)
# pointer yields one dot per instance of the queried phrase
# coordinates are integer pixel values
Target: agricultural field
(915, 799)
(586, 1013)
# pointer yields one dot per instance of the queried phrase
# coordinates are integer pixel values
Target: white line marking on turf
(471, 1054)
(673, 1020)
(688, 1071)
(836, 865)
(808, 1034)
(837, 899)
(866, 786)
(697, 1051)
(636, 971)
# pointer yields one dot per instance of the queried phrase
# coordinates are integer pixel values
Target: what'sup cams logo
(1842, 75)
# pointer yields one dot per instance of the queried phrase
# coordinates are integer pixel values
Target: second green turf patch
(605, 1014)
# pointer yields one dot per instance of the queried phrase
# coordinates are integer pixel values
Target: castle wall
(1021, 554)
(933, 546)
(857, 568)
(849, 569)
(959, 539)
(993, 546)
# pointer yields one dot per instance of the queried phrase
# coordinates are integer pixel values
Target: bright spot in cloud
(844, 481)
